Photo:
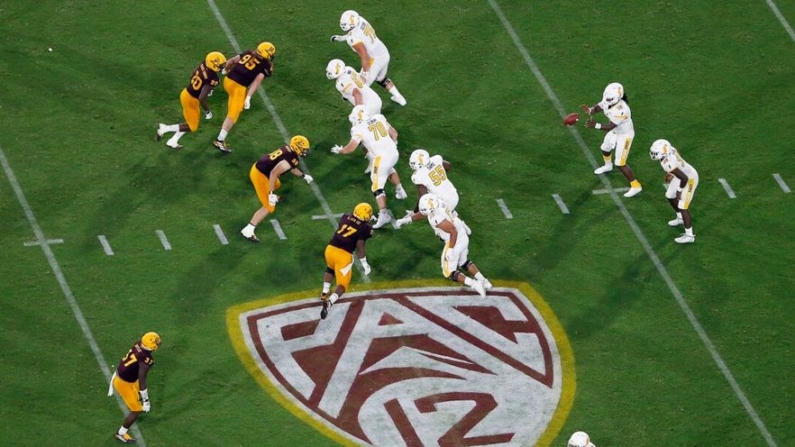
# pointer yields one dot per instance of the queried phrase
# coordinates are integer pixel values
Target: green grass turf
(78, 126)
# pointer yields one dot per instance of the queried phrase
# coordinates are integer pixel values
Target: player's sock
(679, 216)
(333, 298)
(634, 184)
(394, 92)
(468, 281)
(689, 231)
(122, 431)
(326, 287)
(479, 276)
(608, 159)
(172, 128)
(222, 135)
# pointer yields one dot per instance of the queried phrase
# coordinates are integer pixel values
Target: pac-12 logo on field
(426, 366)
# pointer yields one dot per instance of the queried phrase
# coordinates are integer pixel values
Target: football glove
(247, 103)
(337, 38)
(308, 178)
(336, 149)
(223, 71)
(365, 266)
(273, 199)
(402, 221)
(208, 115)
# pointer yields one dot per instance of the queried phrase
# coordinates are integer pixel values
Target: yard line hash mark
(278, 229)
(781, 183)
(597, 192)
(48, 242)
(561, 203)
(67, 291)
(680, 298)
(105, 244)
(163, 239)
(324, 217)
(220, 233)
(728, 188)
(504, 208)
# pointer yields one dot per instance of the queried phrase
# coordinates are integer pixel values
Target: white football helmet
(419, 158)
(359, 114)
(335, 68)
(349, 20)
(428, 203)
(660, 149)
(580, 439)
(613, 93)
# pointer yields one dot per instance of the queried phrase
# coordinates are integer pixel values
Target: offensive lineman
(682, 185)
(374, 55)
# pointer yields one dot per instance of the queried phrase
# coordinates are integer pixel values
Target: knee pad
(383, 82)
(454, 276)
(378, 192)
(466, 265)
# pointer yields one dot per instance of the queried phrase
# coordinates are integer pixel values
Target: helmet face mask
(335, 68)
(363, 211)
(419, 158)
(266, 50)
(660, 149)
(613, 93)
(215, 61)
(428, 203)
(150, 341)
(300, 145)
(359, 114)
(348, 20)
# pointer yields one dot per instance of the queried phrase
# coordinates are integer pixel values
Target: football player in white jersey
(380, 139)
(455, 255)
(362, 39)
(430, 176)
(620, 133)
(580, 439)
(681, 186)
(352, 88)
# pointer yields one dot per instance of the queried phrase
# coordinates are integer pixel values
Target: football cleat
(676, 222)
(399, 99)
(685, 239)
(174, 146)
(400, 194)
(161, 129)
(603, 169)
(383, 219)
(477, 286)
(633, 191)
(125, 438)
(324, 296)
(324, 311)
(222, 146)
(252, 237)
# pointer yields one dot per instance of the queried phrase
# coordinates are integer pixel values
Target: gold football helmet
(363, 211)
(150, 341)
(266, 50)
(300, 145)
(215, 61)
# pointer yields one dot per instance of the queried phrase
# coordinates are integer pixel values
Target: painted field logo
(416, 367)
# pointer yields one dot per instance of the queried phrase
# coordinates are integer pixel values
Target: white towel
(110, 388)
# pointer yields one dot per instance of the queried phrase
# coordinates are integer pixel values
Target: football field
(109, 234)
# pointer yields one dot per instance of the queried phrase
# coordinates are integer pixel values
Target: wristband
(363, 260)
(597, 126)
(144, 394)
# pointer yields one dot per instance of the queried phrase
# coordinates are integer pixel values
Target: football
(668, 177)
(571, 119)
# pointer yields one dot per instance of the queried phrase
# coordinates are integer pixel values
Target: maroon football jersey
(349, 232)
(248, 67)
(130, 363)
(267, 162)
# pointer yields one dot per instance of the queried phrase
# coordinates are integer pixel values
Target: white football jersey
(350, 80)
(374, 135)
(433, 176)
(365, 34)
(620, 115)
(442, 213)
(675, 161)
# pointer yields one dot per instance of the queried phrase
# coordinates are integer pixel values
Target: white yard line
(67, 292)
(278, 229)
(680, 299)
(728, 188)
(597, 192)
(781, 19)
(163, 239)
(105, 244)
(48, 242)
(505, 211)
(781, 183)
(561, 203)
(280, 125)
(220, 233)
(337, 216)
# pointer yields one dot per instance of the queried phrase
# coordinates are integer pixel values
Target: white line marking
(278, 229)
(67, 292)
(163, 239)
(596, 192)
(680, 299)
(781, 19)
(560, 203)
(728, 188)
(324, 217)
(781, 183)
(105, 244)
(220, 233)
(280, 125)
(48, 242)
(504, 208)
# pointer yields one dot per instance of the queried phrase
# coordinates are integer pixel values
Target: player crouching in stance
(129, 381)
(452, 230)
(619, 133)
(352, 234)
(682, 186)
(580, 439)
(265, 175)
